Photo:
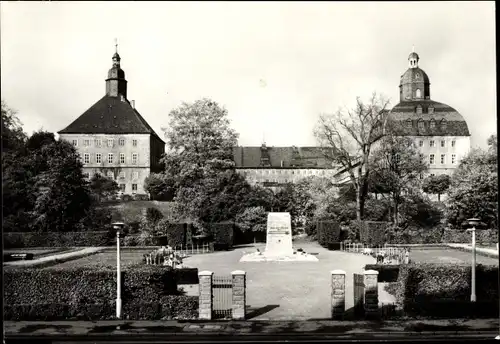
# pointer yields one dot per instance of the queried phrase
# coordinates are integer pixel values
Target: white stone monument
(278, 242)
(279, 235)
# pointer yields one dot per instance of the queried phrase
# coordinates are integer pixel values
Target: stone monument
(278, 242)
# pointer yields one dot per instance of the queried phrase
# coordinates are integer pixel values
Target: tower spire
(413, 48)
(116, 45)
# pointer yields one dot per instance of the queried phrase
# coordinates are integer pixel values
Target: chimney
(281, 163)
(133, 103)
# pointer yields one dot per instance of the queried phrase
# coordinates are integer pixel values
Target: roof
(110, 115)
(305, 157)
(414, 75)
(406, 110)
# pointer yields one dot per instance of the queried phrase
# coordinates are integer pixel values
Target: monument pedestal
(278, 242)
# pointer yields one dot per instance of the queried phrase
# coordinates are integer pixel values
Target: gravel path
(287, 290)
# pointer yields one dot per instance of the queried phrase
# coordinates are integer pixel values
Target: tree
(474, 189)
(199, 159)
(436, 184)
(103, 187)
(347, 138)
(397, 167)
(159, 187)
(253, 219)
(13, 137)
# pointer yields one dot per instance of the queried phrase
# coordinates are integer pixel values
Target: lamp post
(473, 222)
(118, 226)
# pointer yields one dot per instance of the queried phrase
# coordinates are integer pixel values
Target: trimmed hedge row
(173, 307)
(372, 232)
(38, 293)
(386, 273)
(328, 234)
(439, 290)
(222, 235)
(58, 239)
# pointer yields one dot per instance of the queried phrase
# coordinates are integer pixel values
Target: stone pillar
(239, 294)
(338, 294)
(371, 294)
(206, 295)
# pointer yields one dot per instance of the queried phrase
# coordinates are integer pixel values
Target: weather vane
(413, 48)
(116, 45)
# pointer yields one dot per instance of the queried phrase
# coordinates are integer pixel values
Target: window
(421, 157)
(443, 158)
(432, 174)
(431, 159)
(431, 143)
(98, 158)
(86, 175)
(134, 159)
(75, 143)
(443, 143)
(121, 142)
(453, 143)
(86, 158)
(432, 124)
(408, 123)
(443, 124)
(111, 142)
(134, 187)
(453, 159)
(86, 143)
(419, 109)
(110, 175)
(98, 174)
(135, 175)
(421, 143)
(110, 158)
(134, 143)
(417, 94)
(420, 124)
(97, 142)
(122, 187)
(122, 175)
(122, 158)
(430, 110)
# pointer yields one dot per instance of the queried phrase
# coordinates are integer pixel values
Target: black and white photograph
(249, 171)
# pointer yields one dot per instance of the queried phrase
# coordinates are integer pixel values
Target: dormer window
(431, 109)
(443, 124)
(420, 124)
(432, 123)
(419, 109)
(408, 123)
(418, 94)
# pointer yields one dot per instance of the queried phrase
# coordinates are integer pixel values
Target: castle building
(439, 131)
(274, 167)
(114, 140)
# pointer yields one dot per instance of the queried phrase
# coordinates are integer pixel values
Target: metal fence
(192, 249)
(391, 255)
(359, 294)
(222, 288)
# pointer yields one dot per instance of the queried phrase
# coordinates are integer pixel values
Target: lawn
(448, 255)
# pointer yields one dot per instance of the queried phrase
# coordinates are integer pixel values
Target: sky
(275, 66)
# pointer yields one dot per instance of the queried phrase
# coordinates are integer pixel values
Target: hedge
(438, 290)
(386, 273)
(328, 234)
(61, 293)
(222, 235)
(58, 239)
(438, 234)
(372, 233)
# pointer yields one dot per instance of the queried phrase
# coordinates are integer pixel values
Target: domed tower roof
(418, 115)
(116, 83)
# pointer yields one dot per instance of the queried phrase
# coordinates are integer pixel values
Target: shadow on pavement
(255, 312)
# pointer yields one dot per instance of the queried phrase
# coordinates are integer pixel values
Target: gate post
(239, 295)
(205, 295)
(338, 294)
(371, 294)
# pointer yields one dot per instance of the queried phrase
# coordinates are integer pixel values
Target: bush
(59, 239)
(372, 233)
(386, 273)
(153, 215)
(187, 275)
(311, 229)
(148, 292)
(222, 235)
(328, 233)
(444, 290)
(175, 233)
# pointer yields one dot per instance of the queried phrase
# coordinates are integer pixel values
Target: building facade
(439, 131)
(114, 140)
(274, 167)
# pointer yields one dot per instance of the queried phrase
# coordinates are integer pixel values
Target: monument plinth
(278, 242)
